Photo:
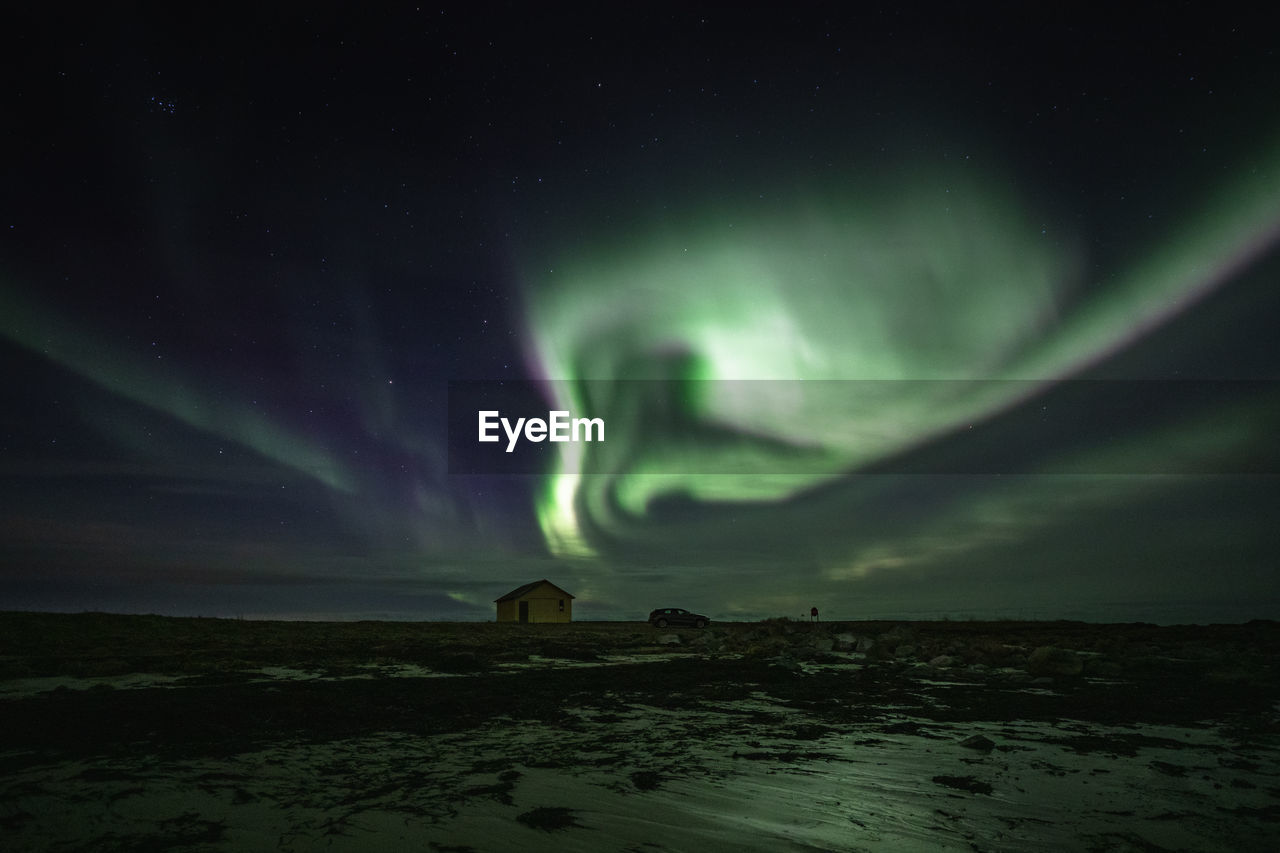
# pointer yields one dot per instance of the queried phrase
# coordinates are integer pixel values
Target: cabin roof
(520, 591)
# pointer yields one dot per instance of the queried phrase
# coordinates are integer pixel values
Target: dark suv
(676, 618)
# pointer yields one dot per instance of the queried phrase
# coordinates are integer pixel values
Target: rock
(978, 742)
(942, 660)
(823, 644)
(1103, 668)
(709, 640)
(905, 651)
(1049, 660)
(898, 634)
(669, 640)
(788, 663)
(846, 641)
(864, 645)
(710, 645)
(964, 783)
(765, 649)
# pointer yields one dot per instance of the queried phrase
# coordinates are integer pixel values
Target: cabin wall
(548, 609)
(544, 606)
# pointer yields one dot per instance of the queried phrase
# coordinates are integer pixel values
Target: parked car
(676, 618)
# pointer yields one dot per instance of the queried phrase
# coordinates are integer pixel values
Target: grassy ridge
(102, 644)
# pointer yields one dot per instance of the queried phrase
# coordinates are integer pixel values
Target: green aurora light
(941, 278)
(44, 330)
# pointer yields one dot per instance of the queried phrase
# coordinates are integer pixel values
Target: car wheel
(701, 623)
(661, 623)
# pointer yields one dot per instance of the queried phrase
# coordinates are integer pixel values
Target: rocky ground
(145, 733)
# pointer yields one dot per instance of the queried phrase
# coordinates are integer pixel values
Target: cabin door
(524, 611)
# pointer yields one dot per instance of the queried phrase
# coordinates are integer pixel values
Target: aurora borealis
(948, 285)
(807, 268)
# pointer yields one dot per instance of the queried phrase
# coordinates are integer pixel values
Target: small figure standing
(813, 614)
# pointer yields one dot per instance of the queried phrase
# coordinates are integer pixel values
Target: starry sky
(900, 313)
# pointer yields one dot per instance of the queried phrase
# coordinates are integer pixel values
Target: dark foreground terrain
(149, 733)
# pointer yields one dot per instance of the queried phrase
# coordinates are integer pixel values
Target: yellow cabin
(540, 601)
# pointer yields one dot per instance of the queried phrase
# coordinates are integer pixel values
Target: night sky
(900, 314)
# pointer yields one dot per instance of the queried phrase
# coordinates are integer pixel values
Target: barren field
(149, 733)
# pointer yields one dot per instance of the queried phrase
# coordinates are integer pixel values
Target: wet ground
(138, 733)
